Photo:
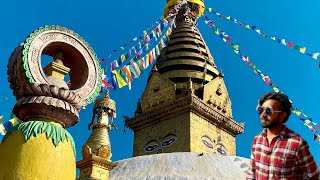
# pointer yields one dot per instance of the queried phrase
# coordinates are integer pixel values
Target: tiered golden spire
(96, 153)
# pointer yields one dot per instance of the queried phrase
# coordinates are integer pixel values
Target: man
(278, 152)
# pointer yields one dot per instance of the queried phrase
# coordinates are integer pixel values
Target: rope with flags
(285, 42)
(313, 126)
(141, 55)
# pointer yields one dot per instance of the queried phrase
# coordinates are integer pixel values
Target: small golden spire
(98, 147)
(56, 71)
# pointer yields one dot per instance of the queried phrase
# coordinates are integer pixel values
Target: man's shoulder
(259, 136)
(293, 136)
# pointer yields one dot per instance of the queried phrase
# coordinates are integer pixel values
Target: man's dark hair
(285, 104)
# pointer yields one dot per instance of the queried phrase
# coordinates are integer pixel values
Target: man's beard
(268, 124)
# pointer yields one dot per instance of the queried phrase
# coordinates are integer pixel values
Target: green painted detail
(98, 87)
(35, 128)
(25, 50)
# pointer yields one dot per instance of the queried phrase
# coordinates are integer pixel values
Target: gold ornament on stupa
(96, 153)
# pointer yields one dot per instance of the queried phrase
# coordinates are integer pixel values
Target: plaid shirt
(287, 157)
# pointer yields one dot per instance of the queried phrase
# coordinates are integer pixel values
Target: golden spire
(96, 153)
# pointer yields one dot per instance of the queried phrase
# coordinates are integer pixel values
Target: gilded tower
(96, 153)
(185, 106)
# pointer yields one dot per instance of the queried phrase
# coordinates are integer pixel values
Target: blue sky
(106, 25)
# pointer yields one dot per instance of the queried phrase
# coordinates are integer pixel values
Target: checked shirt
(287, 157)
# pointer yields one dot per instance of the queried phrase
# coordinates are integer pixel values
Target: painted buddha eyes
(153, 145)
(168, 140)
(206, 140)
(209, 145)
(221, 149)
(151, 148)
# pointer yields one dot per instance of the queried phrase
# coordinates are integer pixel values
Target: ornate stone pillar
(40, 147)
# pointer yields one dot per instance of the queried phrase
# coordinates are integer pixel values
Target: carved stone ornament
(36, 95)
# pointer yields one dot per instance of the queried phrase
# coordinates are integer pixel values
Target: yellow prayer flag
(275, 89)
(147, 60)
(217, 32)
(247, 26)
(169, 30)
(273, 38)
(196, 41)
(228, 17)
(210, 9)
(145, 33)
(298, 113)
(14, 121)
(121, 82)
(303, 50)
(123, 57)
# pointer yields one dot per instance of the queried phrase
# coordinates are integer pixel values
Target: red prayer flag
(315, 137)
(107, 84)
(102, 60)
(290, 44)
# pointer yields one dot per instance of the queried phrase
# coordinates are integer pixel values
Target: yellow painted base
(37, 159)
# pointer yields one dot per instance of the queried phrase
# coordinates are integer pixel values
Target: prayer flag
(290, 44)
(111, 79)
(303, 50)
(315, 55)
(120, 80)
(133, 71)
(127, 72)
(106, 84)
(147, 60)
(123, 57)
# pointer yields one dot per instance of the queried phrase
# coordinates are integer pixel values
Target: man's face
(273, 120)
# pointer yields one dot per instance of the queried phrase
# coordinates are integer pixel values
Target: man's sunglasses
(269, 110)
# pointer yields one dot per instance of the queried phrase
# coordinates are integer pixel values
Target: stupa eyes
(206, 140)
(168, 140)
(221, 149)
(151, 148)
(209, 145)
(153, 145)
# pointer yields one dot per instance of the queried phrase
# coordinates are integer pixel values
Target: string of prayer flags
(282, 41)
(157, 30)
(308, 121)
(141, 37)
(124, 75)
(137, 64)
(139, 48)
